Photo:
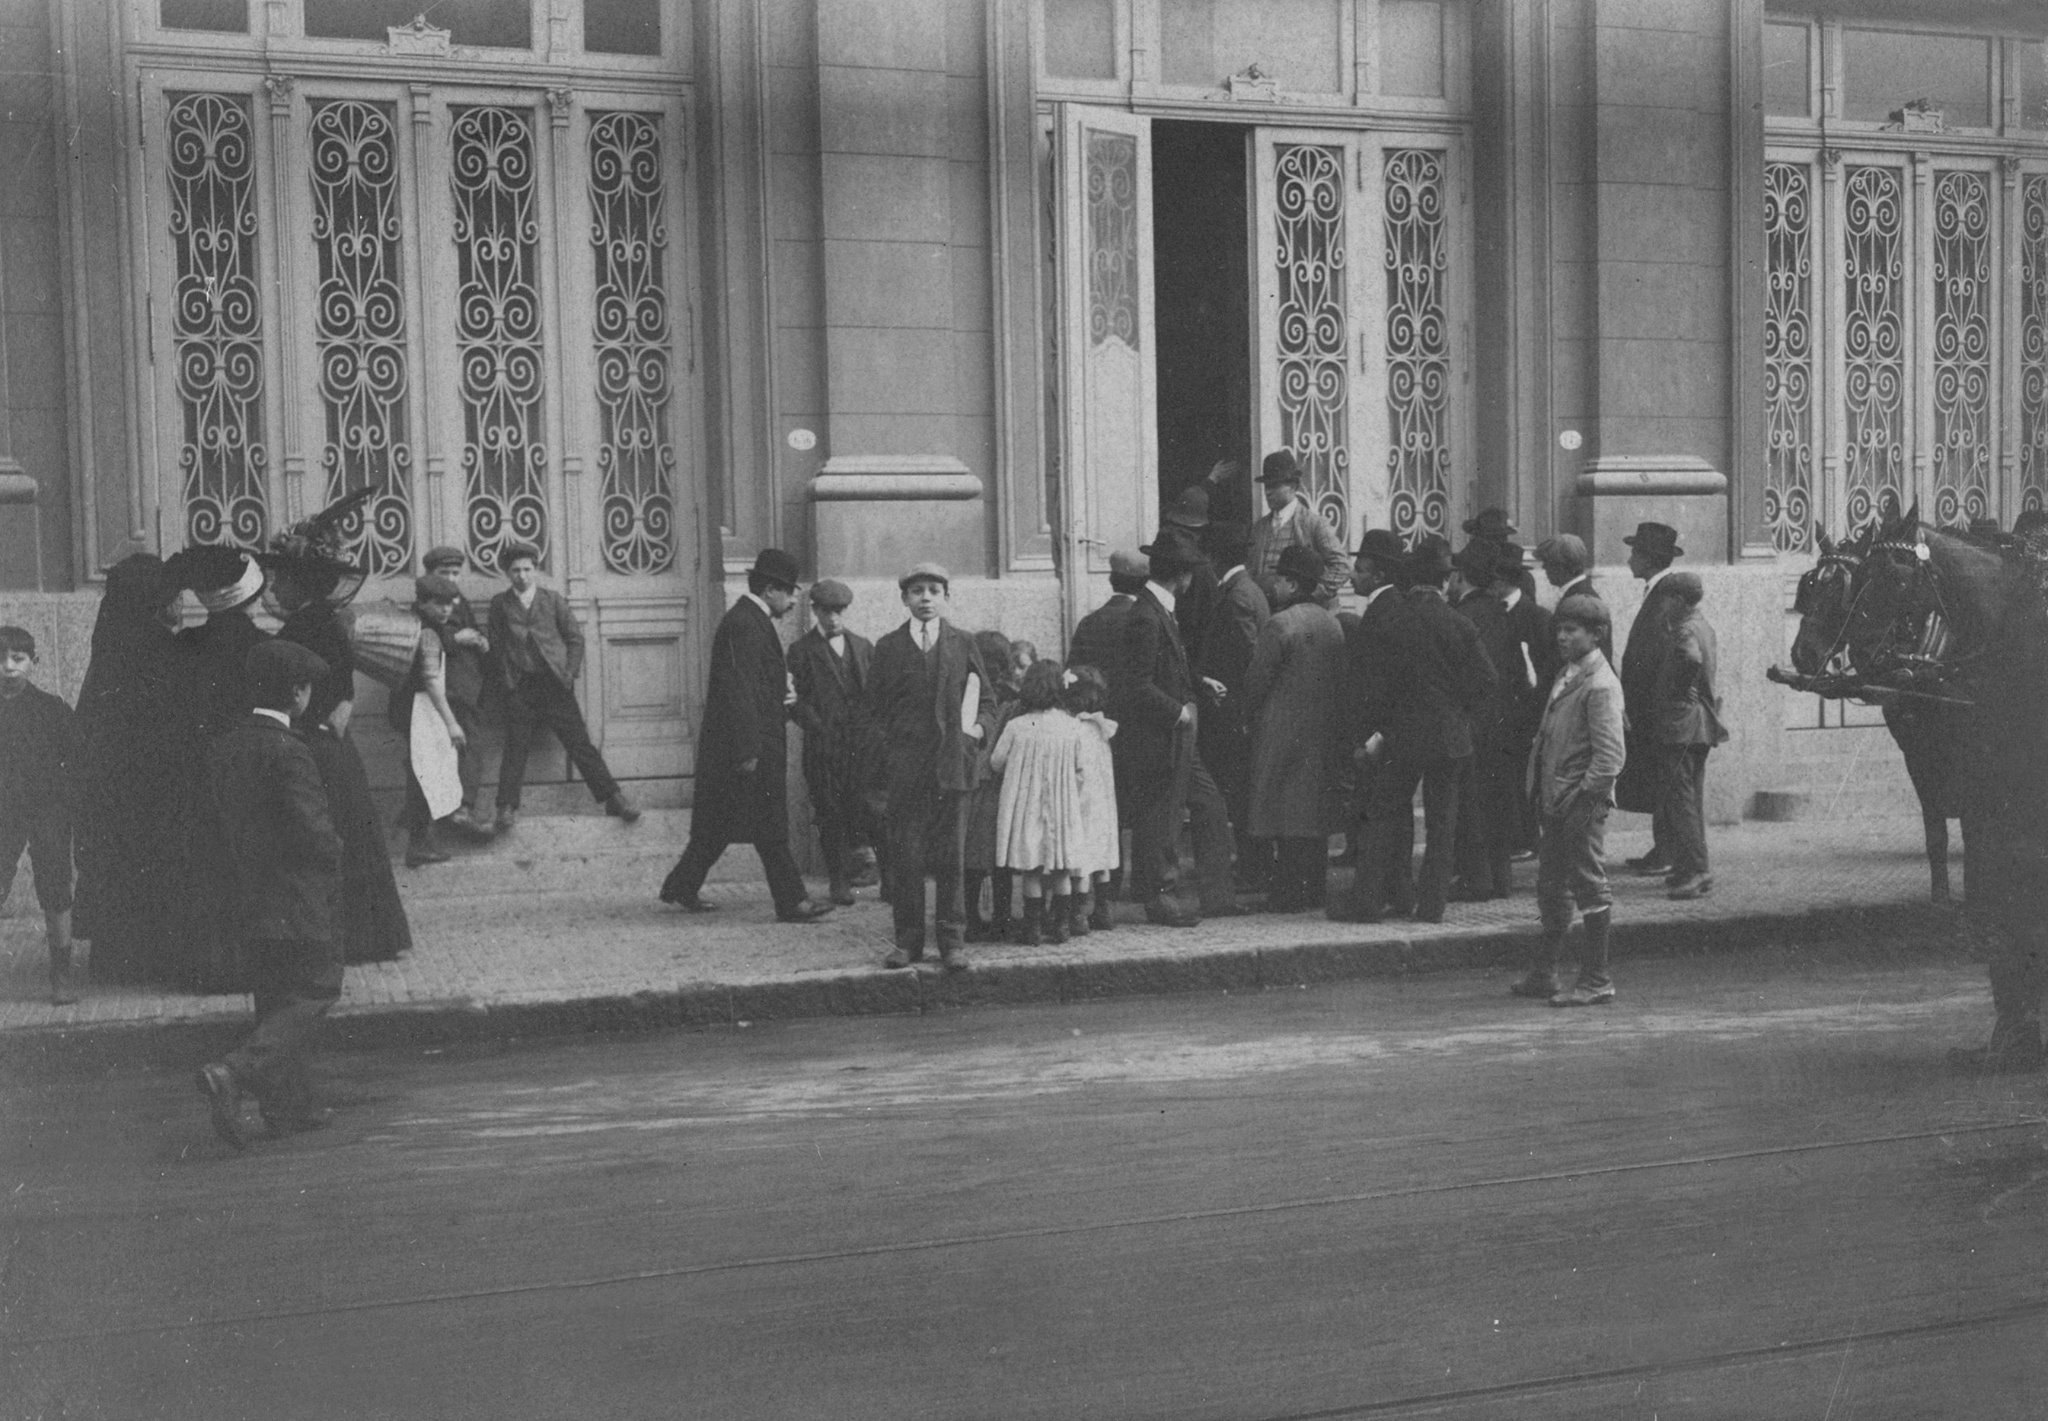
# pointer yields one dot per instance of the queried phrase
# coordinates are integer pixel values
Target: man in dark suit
(1374, 644)
(1222, 658)
(829, 666)
(1565, 560)
(1190, 511)
(1489, 814)
(930, 699)
(272, 809)
(1652, 548)
(1152, 694)
(1443, 678)
(743, 747)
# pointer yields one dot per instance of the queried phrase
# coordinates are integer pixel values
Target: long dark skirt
(374, 925)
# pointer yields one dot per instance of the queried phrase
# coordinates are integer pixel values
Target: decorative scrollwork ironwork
(1788, 356)
(1311, 336)
(1112, 176)
(2033, 449)
(1418, 343)
(360, 325)
(1962, 346)
(498, 333)
(1873, 339)
(628, 236)
(217, 318)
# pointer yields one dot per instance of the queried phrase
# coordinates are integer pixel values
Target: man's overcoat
(744, 719)
(1293, 693)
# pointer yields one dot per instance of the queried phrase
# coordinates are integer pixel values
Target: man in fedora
(931, 702)
(1152, 694)
(1290, 522)
(1373, 647)
(742, 749)
(1189, 512)
(1098, 642)
(1441, 678)
(1491, 526)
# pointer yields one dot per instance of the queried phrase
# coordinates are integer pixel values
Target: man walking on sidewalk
(742, 750)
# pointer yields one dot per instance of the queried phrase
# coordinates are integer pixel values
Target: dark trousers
(844, 823)
(1489, 821)
(45, 831)
(927, 836)
(294, 985)
(1394, 791)
(785, 884)
(1301, 869)
(540, 702)
(1678, 824)
(1155, 831)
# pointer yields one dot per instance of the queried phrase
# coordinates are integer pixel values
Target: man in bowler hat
(1291, 521)
(742, 749)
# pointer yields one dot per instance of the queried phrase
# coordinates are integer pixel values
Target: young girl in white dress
(1041, 834)
(1085, 693)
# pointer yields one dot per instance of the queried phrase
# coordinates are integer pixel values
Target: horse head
(1823, 601)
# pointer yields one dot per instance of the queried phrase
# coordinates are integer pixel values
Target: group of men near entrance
(1238, 702)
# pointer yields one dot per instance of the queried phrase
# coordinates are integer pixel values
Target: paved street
(1751, 1189)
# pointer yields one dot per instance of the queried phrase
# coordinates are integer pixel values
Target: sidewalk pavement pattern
(558, 930)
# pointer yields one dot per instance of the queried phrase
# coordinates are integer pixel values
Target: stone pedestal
(878, 515)
(1618, 491)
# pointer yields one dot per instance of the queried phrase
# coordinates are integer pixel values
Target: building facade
(657, 283)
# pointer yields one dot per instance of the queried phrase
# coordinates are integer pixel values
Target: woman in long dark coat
(306, 588)
(138, 737)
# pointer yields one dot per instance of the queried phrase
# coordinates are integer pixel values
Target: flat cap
(1124, 562)
(831, 594)
(925, 572)
(444, 556)
(277, 662)
(435, 588)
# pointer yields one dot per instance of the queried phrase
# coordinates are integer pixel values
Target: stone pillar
(1663, 348)
(888, 107)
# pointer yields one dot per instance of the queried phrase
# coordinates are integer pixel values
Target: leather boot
(1029, 929)
(424, 847)
(839, 891)
(1099, 917)
(1055, 919)
(1540, 981)
(861, 869)
(1077, 915)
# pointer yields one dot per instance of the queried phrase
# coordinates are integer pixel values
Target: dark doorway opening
(1202, 308)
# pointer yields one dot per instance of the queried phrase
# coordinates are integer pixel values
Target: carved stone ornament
(1255, 84)
(1831, 160)
(419, 37)
(279, 88)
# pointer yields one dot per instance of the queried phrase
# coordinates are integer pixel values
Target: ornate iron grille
(1112, 167)
(1311, 340)
(217, 318)
(1874, 377)
(1962, 346)
(628, 237)
(1788, 356)
(1418, 343)
(2033, 450)
(498, 336)
(360, 325)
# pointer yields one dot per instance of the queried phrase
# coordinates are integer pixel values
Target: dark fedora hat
(1659, 540)
(1173, 551)
(1190, 509)
(1302, 565)
(1509, 559)
(1383, 546)
(1279, 468)
(1491, 524)
(775, 565)
(1477, 561)
(1430, 559)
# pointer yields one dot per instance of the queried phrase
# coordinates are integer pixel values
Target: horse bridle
(1921, 652)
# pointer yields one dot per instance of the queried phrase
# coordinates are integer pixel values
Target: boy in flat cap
(434, 600)
(267, 794)
(38, 756)
(743, 749)
(467, 649)
(830, 667)
(931, 702)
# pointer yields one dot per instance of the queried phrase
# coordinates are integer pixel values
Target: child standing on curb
(1578, 756)
(35, 798)
(435, 602)
(1040, 830)
(1087, 690)
(978, 861)
(829, 666)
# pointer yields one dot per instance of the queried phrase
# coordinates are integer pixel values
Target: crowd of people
(1221, 691)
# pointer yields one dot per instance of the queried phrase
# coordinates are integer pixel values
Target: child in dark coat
(266, 791)
(829, 667)
(1003, 659)
(35, 798)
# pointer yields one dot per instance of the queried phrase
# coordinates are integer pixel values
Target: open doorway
(1202, 310)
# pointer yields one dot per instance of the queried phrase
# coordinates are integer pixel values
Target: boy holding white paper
(925, 696)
